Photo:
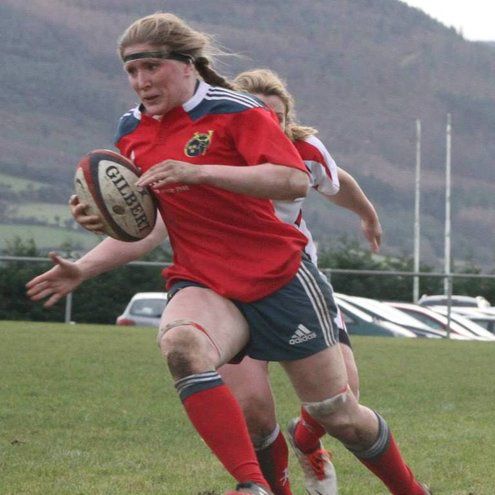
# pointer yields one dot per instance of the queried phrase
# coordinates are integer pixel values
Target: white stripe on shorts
(317, 298)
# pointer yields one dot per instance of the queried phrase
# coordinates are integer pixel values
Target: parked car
(467, 323)
(483, 318)
(384, 312)
(456, 301)
(435, 320)
(469, 311)
(360, 323)
(144, 309)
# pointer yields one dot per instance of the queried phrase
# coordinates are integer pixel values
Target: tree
(347, 254)
(14, 304)
(99, 300)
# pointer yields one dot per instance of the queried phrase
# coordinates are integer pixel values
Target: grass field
(44, 212)
(90, 410)
(17, 184)
(46, 237)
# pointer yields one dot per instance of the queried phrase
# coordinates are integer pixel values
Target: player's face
(160, 84)
(277, 105)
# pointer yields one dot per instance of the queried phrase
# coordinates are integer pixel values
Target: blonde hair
(167, 30)
(269, 83)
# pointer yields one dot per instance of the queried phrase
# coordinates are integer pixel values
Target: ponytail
(209, 75)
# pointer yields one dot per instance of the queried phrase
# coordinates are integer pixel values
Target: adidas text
(302, 334)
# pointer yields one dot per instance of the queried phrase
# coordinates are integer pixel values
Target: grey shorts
(296, 321)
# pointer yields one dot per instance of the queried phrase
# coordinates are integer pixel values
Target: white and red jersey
(324, 179)
(231, 243)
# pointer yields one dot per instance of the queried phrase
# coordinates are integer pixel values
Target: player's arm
(266, 180)
(66, 275)
(342, 189)
(353, 198)
(112, 253)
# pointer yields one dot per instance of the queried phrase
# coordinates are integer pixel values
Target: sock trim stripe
(380, 445)
(189, 378)
(268, 440)
(199, 382)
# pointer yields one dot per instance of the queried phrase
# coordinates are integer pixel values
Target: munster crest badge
(198, 144)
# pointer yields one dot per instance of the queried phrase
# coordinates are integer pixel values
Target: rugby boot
(249, 489)
(319, 472)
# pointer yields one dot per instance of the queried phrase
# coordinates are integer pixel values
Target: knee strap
(180, 323)
(319, 410)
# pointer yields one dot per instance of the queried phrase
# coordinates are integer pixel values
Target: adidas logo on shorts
(302, 334)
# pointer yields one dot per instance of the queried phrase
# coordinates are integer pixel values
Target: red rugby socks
(384, 460)
(391, 468)
(308, 433)
(218, 418)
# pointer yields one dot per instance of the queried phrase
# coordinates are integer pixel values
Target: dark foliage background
(102, 299)
(99, 300)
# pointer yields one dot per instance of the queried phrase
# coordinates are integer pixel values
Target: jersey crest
(198, 144)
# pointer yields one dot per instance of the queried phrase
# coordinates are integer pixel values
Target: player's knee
(260, 421)
(184, 348)
(334, 413)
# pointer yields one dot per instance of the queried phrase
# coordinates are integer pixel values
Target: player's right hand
(55, 283)
(93, 223)
(373, 232)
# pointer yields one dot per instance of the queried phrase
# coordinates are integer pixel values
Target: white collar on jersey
(197, 97)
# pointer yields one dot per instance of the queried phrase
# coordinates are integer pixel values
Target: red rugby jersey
(231, 243)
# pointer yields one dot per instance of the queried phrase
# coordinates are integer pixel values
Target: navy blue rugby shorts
(343, 334)
(294, 322)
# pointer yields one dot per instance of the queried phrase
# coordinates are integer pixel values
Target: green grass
(46, 237)
(44, 212)
(17, 184)
(88, 409)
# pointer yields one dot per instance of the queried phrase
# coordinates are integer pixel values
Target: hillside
(361, 71)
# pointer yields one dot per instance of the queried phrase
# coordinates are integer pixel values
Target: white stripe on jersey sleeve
(324, 176)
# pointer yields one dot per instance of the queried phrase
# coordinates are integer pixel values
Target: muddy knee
(186, 347)
(334, 413)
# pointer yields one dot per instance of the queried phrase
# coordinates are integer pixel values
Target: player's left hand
(372, 230)
(170, 172)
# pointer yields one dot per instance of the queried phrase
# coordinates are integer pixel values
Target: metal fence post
(448, 282)
(68, 307)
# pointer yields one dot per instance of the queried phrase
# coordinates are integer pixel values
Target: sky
(475, 18)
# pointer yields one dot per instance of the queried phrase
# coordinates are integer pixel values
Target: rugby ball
(105, 181)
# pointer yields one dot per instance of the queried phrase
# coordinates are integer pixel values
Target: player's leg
(277, 328)
(200, 331)
(306, 432)
(306, 342)
(249, 382)
(321, 382)
(350, 362)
